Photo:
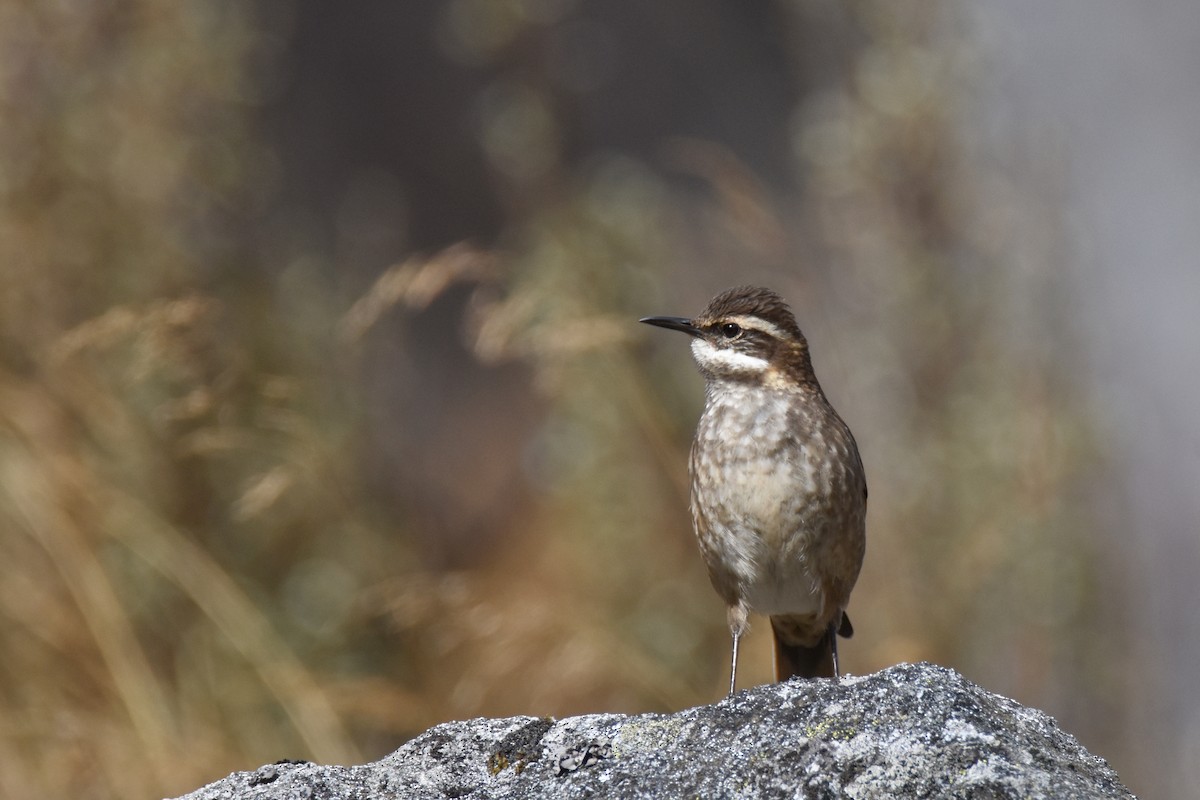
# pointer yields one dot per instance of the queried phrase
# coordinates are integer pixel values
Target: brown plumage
(779, 496)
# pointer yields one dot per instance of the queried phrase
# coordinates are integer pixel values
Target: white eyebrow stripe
(758, 324)
(718, 359)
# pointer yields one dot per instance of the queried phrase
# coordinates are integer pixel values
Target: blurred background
(325, 416)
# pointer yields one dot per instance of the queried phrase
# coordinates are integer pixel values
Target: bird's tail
(802, 650)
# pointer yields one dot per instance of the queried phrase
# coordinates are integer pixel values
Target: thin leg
(737, 637)
(831, 632)
(737, 614)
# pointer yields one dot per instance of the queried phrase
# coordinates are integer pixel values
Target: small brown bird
(779, 498)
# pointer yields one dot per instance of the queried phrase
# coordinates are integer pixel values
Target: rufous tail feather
(796, 658)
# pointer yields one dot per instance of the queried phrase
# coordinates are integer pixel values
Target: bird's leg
(831, 632)
(733, 670)
(737, 615)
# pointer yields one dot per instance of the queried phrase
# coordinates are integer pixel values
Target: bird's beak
(674, 323)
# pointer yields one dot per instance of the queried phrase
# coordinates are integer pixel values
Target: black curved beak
(674, 323)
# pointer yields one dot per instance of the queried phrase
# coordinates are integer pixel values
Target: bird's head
(745, 334)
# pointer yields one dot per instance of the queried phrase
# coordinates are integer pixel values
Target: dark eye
(731, 330)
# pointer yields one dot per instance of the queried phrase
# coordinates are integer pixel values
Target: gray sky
(1116, 87)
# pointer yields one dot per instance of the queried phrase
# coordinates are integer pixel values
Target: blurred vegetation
(257, 504)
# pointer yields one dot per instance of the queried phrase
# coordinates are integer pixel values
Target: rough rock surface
(913, 730)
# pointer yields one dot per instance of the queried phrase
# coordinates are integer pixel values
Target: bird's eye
(731, 330)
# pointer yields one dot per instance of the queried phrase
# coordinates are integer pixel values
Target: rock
(913, 730)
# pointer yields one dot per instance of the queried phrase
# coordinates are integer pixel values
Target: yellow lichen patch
(825, 729)
(497, 763)
(640, 735)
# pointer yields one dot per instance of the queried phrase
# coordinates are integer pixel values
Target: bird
(778, 490)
